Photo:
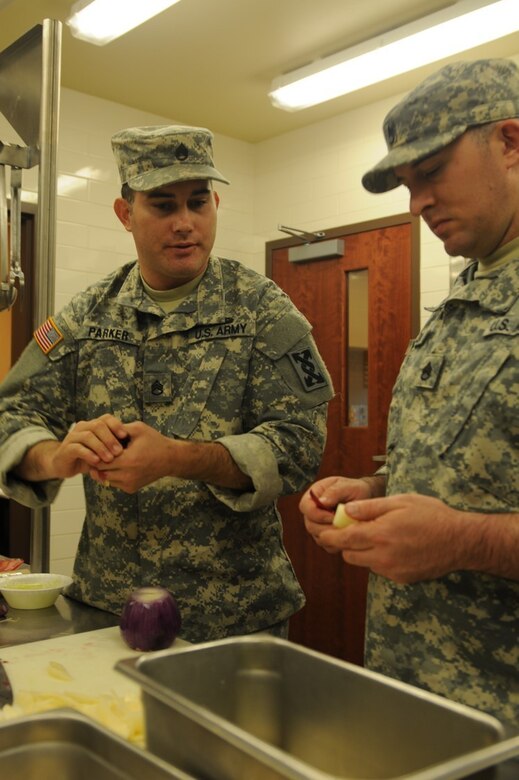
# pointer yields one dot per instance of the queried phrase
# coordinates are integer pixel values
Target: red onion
(150, 619)
(3, 608)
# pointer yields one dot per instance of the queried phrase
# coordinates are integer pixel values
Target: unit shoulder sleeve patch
(307, 366)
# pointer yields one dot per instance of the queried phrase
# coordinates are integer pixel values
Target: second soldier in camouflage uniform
(443, 544)
(209, 375)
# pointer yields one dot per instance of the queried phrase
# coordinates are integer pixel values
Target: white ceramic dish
(32, 591)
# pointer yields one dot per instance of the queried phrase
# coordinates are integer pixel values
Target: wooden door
(383, 256)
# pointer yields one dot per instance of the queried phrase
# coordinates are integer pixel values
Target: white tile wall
(308, 179)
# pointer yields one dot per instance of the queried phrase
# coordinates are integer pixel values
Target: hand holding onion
(150, 619)
(341, 519)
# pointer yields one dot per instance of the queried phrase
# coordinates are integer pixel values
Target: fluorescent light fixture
(459, 27)
(101, 21)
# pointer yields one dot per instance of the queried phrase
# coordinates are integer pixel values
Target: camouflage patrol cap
(440, 109)
(149, 157)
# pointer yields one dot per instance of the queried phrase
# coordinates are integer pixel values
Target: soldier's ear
(123, 212)
(509, 135)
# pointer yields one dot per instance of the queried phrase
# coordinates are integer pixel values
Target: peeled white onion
(342, 519)
(150, 619)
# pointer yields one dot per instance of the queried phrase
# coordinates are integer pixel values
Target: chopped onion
(150, 619)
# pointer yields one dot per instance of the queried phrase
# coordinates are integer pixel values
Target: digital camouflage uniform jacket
(454, 433)
(235, 363)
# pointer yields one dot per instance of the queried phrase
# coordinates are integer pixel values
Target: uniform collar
(206, 302)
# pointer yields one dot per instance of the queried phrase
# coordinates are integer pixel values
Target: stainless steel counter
(66, 616)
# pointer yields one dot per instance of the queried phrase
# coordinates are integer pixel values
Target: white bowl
(32, 591)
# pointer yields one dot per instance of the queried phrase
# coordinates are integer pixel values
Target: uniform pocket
(108, 380)
(482, 401)
(479, 435)
(196, 391)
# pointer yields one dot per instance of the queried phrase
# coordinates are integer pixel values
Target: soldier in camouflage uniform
(188, 391)
(443, 538)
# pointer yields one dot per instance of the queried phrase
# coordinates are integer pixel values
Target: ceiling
(211, 62)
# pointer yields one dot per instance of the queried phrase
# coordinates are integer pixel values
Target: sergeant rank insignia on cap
(48, 335)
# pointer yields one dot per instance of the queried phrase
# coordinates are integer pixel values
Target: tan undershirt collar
(498, 259)
(169, 300)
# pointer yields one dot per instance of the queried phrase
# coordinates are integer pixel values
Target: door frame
(361, 227)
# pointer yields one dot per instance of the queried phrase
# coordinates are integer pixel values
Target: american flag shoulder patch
(48, 335)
